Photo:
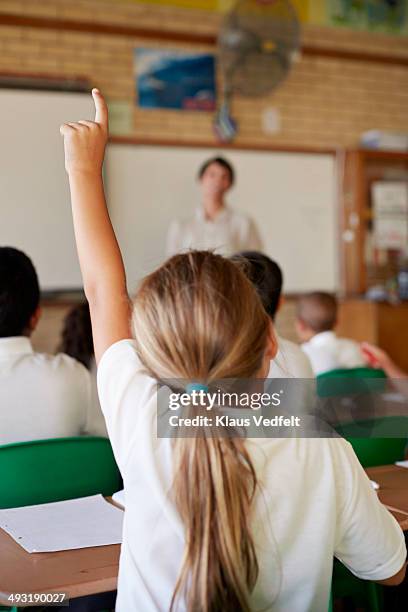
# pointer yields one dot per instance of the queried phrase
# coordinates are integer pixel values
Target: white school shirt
(327, 352)
(314, 501)
(41, 396)
(95, 425)
(230, 232)
(290, 361)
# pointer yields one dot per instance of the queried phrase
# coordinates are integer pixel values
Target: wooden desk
(94, 570)
(393, 491)
(76, 573)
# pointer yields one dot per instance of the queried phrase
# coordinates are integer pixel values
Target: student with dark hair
(19, 293)
(267, 277)
(316, 319)
(215, 225)
(77, 342)
(41, 396)
(76, 336)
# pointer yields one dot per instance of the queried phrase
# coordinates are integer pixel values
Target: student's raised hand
(85, 141)
(374, 356)
(377, 358)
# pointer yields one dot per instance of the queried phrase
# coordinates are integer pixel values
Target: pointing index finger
(101, 109)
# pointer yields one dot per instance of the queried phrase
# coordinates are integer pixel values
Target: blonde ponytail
(199, 318)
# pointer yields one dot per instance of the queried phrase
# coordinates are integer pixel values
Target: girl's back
(313, 501)
(212, 524)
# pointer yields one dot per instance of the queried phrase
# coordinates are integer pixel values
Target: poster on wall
(175, 79)
(389, 16)
(390, 207)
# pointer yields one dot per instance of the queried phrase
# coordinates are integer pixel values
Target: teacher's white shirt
(41, 396)
(231, 231)
(314, 501)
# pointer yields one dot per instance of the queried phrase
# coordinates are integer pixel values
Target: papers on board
(402, 464)
(64, 525)
(390, 204)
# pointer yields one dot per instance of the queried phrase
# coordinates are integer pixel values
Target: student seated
(316, 318)
(212, 523)
(266, 276)
(41, 396)
(77, 342)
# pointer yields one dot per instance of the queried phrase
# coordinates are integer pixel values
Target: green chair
(377, 441)
(52, 470)
(363, 593)
(359, 372)
(350, 381)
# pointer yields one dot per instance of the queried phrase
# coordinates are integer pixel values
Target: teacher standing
(214, 225)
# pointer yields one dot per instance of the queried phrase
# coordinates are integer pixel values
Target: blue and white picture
(175, 79)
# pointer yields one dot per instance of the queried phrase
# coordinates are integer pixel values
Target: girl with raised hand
(215, 524)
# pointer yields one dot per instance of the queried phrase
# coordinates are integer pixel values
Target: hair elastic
(195, 386)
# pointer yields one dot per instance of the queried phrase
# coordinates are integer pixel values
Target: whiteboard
(291, 197)
(34, 195)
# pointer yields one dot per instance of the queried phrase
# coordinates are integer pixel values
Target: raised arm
(99, 255)
(378, 358)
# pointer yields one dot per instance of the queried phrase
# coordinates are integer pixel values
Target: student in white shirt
(316, 318)
(214, 225)
(211, 523)
(41, 396)
(267, 277)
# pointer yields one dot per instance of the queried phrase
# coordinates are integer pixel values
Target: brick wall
(324, 102)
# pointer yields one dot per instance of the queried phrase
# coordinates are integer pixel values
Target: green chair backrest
(360, 372)
(52, 470)
(377, 441)
(350, 381)
(364, 594)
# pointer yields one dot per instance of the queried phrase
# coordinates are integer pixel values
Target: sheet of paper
(402, 464)
(64, 525)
